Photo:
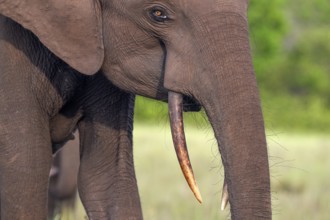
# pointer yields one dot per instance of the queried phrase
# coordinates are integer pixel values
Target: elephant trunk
(238, 126)
(233, 107)
(226, 87)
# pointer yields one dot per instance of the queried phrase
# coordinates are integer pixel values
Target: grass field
(299, 168)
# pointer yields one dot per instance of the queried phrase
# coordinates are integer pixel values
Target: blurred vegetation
(290, 41)
(294, 70)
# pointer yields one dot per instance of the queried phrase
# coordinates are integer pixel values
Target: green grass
(299, 169)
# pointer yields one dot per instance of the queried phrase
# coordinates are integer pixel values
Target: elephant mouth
(190, 104)
(176, 106)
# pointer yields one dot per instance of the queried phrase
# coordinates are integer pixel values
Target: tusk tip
(199, 198)
(223, 205)
(197, 194)
(225, 197)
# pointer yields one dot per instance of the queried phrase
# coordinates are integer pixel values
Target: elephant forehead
(187, 8)
(211, 6)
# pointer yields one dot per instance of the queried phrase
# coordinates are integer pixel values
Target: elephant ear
(71, 29)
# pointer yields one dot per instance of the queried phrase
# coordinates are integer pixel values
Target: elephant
(63, 178)
(68, 65)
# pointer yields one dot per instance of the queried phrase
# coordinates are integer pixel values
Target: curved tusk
(224, 197)
(175, 102)
(53, 171)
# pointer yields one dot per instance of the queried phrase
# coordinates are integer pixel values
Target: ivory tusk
(175, 106)
(224, 197)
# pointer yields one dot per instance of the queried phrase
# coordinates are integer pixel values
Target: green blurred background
(291, 50)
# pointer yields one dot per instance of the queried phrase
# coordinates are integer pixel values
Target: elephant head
(168, 49)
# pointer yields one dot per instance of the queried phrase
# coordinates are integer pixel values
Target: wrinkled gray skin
(63, 178)
(195, 48)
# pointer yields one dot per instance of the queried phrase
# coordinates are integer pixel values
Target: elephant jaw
(175, 107)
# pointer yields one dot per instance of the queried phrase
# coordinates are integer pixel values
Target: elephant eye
(158, 14)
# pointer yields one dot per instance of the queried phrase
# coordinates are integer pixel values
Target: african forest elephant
(77, 64)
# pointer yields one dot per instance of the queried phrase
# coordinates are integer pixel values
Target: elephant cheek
(136, 73)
